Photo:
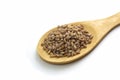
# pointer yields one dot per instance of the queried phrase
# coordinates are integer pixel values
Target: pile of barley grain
(66, 41)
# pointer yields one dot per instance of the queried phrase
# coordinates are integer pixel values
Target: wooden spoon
(98, 28)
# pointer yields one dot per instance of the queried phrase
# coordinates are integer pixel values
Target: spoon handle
(108, 24)
(114, 20)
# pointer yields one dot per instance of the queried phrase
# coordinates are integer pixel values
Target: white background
(23, 22)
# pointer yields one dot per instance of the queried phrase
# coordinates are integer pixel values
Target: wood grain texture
(98, 28)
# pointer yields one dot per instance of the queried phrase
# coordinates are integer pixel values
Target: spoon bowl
(98, 28)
